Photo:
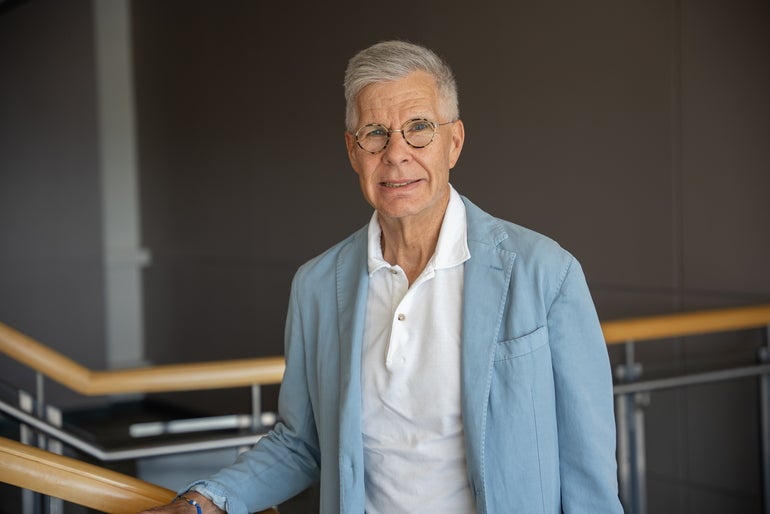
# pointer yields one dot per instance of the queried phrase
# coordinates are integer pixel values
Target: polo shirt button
(401, 317)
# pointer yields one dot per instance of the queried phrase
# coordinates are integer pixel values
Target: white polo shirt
(414, 456)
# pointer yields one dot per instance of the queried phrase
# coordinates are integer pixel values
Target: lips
(395, 185)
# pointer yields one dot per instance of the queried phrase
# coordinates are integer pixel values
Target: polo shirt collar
(451, 248)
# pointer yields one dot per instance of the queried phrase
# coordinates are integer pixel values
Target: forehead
(397, 100)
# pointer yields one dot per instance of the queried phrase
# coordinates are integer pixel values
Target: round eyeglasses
(418, 133)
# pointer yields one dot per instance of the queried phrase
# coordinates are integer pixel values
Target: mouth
(396, 185)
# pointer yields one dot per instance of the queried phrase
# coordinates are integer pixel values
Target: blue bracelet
(191, 502)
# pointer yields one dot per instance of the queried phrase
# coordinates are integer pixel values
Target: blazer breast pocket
(522, 345)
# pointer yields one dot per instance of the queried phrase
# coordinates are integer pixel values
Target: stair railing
(78, 482)
(632, 394)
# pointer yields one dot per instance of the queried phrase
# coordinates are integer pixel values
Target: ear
(350, 143)
(458, 138)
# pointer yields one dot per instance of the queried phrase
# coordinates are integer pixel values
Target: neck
(410, 243)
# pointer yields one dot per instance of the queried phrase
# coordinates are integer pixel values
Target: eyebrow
(410, 118)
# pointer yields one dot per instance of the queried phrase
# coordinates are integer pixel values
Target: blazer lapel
(486, 281)
(351, 282)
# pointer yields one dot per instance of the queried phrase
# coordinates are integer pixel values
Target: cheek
(368, 181)
(437, 165)
(364, 165)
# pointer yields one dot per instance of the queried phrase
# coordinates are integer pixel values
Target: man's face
(402, 181)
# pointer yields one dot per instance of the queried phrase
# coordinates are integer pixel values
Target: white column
(123, 255)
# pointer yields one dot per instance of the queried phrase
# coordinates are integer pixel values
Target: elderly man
(439, 359)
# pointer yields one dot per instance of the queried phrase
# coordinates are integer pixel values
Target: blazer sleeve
(584, 400)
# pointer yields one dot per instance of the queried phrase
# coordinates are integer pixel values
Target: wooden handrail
(686, 324)
(152, 379)
(269, 370)
(78, 482)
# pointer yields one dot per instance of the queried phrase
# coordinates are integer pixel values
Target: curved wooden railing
(686, 324)
(153, 379)
(78, 482)
(269, 370)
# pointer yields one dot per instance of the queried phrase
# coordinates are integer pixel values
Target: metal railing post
(256, 407)
(39, 410)
(764, 421)
(256, 413)
(30, 500)
(624, 468)
(54, 417)
(629, 416)
(641, 401)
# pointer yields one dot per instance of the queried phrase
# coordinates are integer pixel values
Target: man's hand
(180, 506)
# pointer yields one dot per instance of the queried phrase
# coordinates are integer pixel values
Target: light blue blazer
(536, 386)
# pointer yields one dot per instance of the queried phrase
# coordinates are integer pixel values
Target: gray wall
(51, 278)
(635, 133)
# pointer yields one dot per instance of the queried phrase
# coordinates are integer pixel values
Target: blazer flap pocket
(522, 345)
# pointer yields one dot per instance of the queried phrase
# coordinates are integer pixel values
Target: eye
(419, 126)
(372, 131)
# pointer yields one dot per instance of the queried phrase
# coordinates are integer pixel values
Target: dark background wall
(635, 133)
(51, 277)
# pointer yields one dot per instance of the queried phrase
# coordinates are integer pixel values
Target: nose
(398, 150)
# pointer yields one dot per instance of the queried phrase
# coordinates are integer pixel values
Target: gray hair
(393, 60)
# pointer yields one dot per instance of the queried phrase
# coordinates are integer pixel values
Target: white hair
(393, 60)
